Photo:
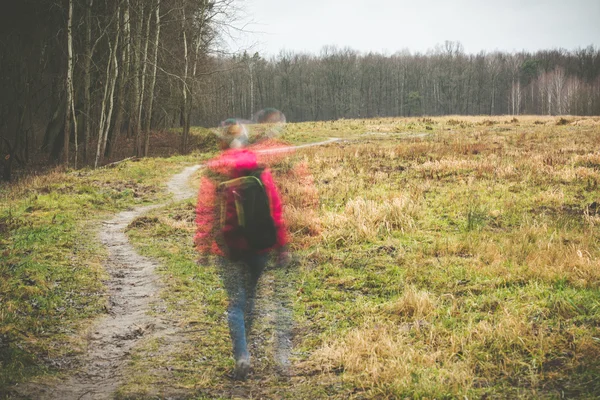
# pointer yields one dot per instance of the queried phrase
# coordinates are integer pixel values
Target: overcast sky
(418, 25)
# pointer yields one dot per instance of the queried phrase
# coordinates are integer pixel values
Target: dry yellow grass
(382, 359)
(414, 304)
(450, 262)
(366, 220)
(484, 224)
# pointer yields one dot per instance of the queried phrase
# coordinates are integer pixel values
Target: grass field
(446, 257)
(51, 274)
(443, 258)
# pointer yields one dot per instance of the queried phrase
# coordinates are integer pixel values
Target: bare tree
(153, 81)
(142, 89)
(68, 85)
(124, 76)
(515, 62)
(87, 66)
(557, 83)
(134, 122)
(112, 74)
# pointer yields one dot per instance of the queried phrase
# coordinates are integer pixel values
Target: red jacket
(210, 234)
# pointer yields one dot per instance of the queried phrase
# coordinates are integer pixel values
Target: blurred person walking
(239, 220)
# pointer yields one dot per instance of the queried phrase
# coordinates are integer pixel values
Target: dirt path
(132, 287)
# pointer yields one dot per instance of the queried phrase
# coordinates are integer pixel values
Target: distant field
(440, 258)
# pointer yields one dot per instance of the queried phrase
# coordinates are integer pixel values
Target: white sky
(418, 25)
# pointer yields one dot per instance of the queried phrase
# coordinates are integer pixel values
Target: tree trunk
(135, 67)
(125, 58)
(185, 111)
(102, 112)
(113, 80)
(148, 124)
(251, 90)
(87, 65)
(68, 86)
(109, 87)
(74, 125)
(139, 149)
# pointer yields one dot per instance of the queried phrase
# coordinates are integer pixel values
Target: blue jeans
(240, 279)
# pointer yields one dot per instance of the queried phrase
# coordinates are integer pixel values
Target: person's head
(233, 135)
(269, 116)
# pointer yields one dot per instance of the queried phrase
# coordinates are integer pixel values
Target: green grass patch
(51, 274)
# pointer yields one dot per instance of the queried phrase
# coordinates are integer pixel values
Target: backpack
(253, 210)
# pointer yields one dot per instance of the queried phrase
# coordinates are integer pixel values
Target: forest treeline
(91, 71)
(77, 77)
(343, 83)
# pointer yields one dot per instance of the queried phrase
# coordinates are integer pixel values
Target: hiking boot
(242, 366)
